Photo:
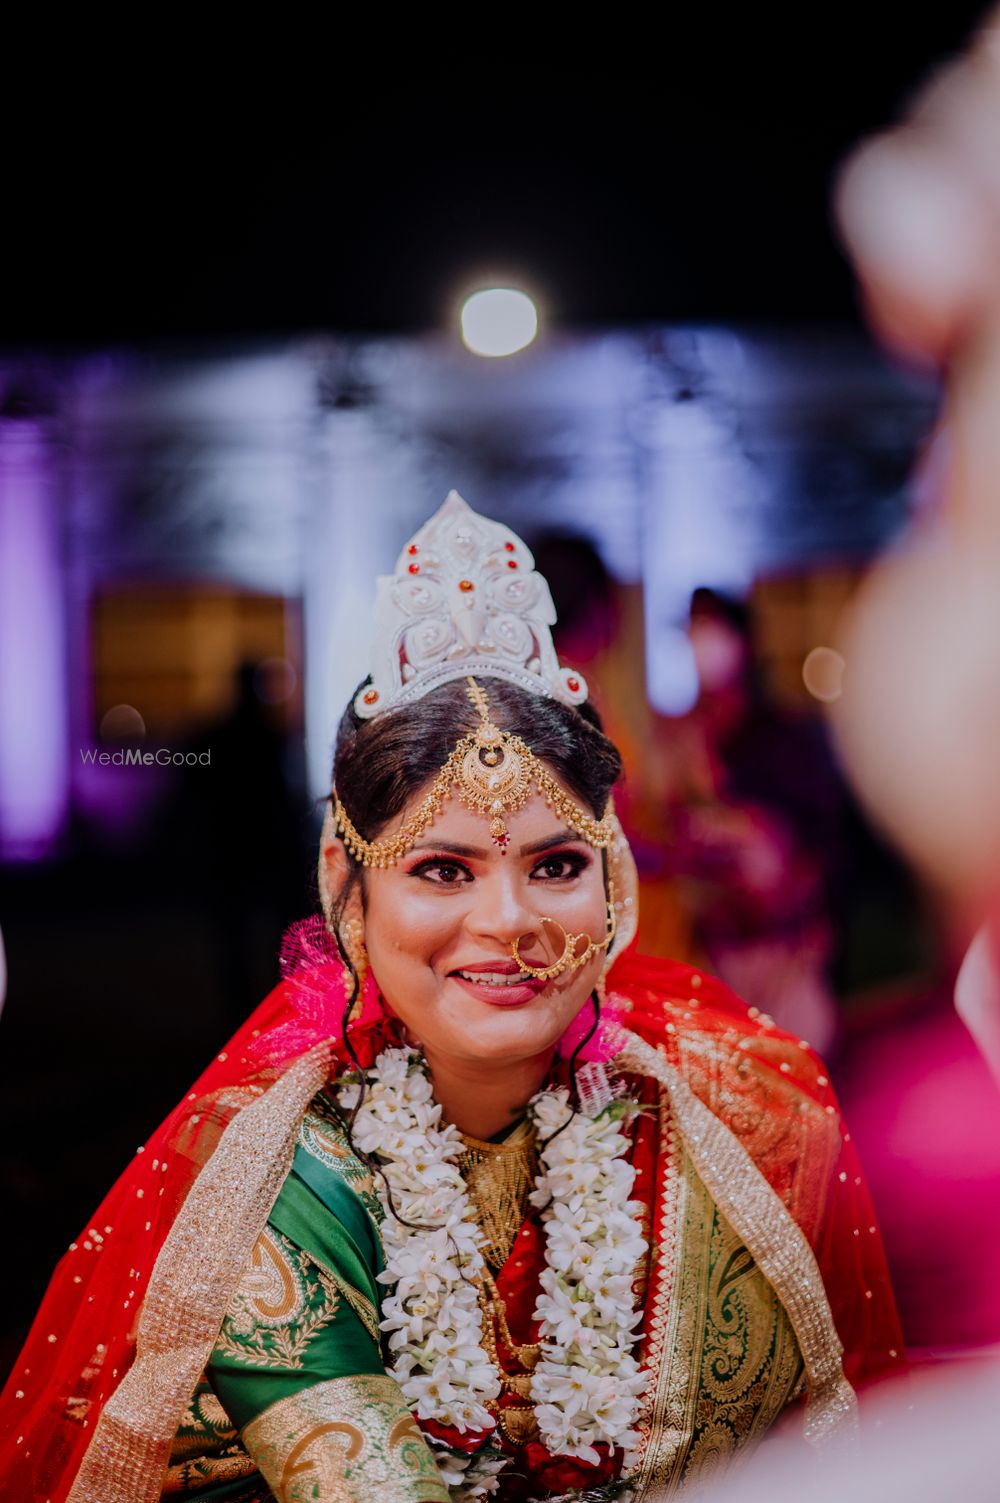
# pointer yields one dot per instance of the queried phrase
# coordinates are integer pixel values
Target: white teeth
(491, 978)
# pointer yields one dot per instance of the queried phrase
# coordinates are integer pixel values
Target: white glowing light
(498, 321)
(823, 674)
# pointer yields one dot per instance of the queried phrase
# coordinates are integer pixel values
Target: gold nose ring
(572, 957)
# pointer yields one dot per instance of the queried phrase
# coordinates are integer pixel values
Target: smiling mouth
(493, 978)
(502, 984)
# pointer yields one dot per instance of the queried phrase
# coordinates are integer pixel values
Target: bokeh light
(498, 321)
(823, 674)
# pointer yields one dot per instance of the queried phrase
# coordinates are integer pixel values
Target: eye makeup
(574, 862)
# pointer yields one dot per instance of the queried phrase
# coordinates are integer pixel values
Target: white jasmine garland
(586, 1384)
(432, 1313)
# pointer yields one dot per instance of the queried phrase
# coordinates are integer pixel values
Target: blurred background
(235, 378)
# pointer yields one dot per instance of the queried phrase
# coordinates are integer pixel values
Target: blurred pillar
(693, 534)
(346, 549)
(34, 751)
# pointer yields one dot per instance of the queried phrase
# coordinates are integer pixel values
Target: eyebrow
(475, 852)
(562, 837)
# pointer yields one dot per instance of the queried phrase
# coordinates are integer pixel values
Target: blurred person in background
(252, 827)
(756, 836)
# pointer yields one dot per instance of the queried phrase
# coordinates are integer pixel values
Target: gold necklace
(517, 1420)
(499, 1178)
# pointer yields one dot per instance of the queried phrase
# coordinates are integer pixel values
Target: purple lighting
(33, 725)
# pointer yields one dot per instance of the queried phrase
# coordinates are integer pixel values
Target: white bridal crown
(464, 599)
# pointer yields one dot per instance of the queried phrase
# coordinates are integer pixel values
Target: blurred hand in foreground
(919, 721)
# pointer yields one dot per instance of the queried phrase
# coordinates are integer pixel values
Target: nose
(503, 909)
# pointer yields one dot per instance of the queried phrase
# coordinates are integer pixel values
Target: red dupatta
(83, 1339)
(770, 1089)
(754, 1077)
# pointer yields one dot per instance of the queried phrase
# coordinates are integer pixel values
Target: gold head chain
(492, 771)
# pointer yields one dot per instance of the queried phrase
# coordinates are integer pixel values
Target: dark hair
(724, 607)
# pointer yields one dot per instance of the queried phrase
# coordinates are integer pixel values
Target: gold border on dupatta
(190, 1287)
(666, 1421)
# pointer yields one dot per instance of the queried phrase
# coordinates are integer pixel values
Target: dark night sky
(672, 179)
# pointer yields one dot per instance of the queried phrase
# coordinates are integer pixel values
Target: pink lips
(514, 995)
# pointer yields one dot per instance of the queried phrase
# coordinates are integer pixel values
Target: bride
(478, 1200)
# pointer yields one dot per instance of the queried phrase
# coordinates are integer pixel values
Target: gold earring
(353, 940)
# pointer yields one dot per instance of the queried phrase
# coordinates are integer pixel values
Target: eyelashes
(571, 859)
(440, 866)
(442, 871)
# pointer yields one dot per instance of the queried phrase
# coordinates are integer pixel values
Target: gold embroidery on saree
(199, 1134)
(196, 1477)
(207, 1450)
(723, 1355)
(273, 1288)
(204, 1419)
(342, 1440)
(750, 1360)
(282, 1299)
(669, 1320)
(78, 1405)
(776, 1242)
(675, 1412)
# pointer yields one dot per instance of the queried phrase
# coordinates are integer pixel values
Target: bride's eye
(563, 866)
(442, 873)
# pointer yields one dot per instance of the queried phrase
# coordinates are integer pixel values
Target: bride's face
(440, 922)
